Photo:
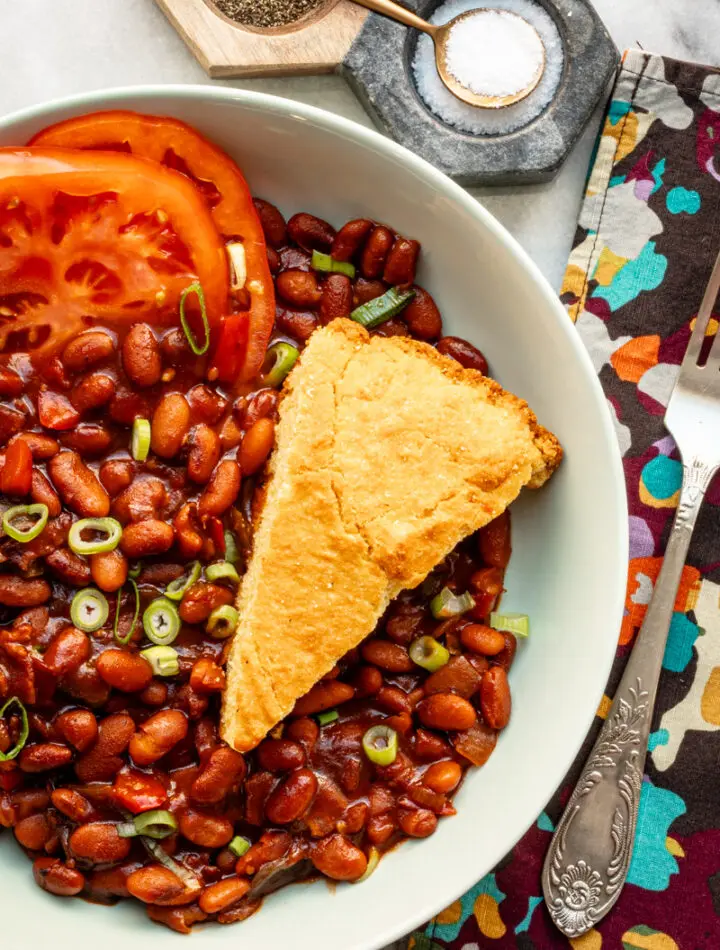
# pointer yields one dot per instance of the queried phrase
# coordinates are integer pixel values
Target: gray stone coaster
(378, 67)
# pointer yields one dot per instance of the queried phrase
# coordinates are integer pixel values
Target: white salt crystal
(494, 53)
(479, 121)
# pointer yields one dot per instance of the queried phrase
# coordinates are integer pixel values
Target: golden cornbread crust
(387, 455)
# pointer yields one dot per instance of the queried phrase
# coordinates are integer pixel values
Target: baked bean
(486, 586)
(230, 434)
(305, 731)
(428, 747)
(11, 383)
(86, 349)
(404, 622)
(300, 324)
(292, 798)
(273, 259)
(417, 822)
(69, 567)
(22, 592)
(298, 288)
(12, 421)
(262, 405)
(337, 298)
(128, 672)
(206, 676)
(495, 701)
(92, 391)
(201, 599)
(52, 875)
(479, 663)
(324, 695)
(154, 694)
(388, 656)
(187, 531)
(179, 919)
(141, 357)
(422, 316)
(494, 542)
(42, 447)
(33, 832)
(272, 222)
(170, 425)
(367, 680)
(311, 233)
(280, 755)
(103, 761)
(143, 499)
(393, 699)
(270, 846)
(107, 883)
(109, 570)
(223, 771)
(401, 262)
(42, 493)
(481, 639)
(256, 446)
(78, 727)
(155, 884)
(350, 238)
(207, 831)
(506, 656)
(465, 353)
(380, 828)
(222, 489)
(146, 538)
(116, 475)
(157, 735)
(44, 756)
(338, 858)
(99, 843)
(85, 684)
(206, 404)
(366, 290)
(16, 471)
(73, 805)
(204, 453)
(375, 252)
(127, 405)
(223, 894)
(67, 651)
(78, 486)
(446, 711)
(442, 777)
(29, 801)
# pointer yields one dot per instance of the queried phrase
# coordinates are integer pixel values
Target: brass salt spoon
(440, 35)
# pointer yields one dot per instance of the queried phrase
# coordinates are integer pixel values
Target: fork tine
(692, 353)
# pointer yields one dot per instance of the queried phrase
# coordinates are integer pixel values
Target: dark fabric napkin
(648, 235)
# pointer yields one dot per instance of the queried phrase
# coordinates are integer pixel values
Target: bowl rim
(112, 97)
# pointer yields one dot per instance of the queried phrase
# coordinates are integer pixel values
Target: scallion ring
(157, 824)
(198, 349)
(111, 528)
(222, 571)
(175, 589)
(449, 604)
(24, 729)
(377, 311)
(89, 610)
(163, 660)
(239, 846)
(140, 439)
(135, 570)
(222, 622)
(279, 360)
(116, 627)
(161, 621)
(324, 262)
(428, 653)
(380, 744)
(24, 512)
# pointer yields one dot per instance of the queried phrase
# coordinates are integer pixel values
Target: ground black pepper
(267, 13)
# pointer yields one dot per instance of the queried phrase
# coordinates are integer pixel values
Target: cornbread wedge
(387, 455)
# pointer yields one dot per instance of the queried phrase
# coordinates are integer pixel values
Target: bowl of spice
(271, 14)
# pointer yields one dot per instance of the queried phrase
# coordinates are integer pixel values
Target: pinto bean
(42, 493)
(69, 567)
(446, 711)
(442, 777)
(57, 878)
(324, 695)
(42, 447)
(207, 831)
(350, 238)
(73, 805)
(366, 290)
(23, 592)
(280, 755)
(204, 453)
(155, 884)
(88, 439)
(78, 486)
(375, 252)
(127, 405)
(99, 843)
(494, 542)
(401, 262)
(300, 324)
(367, 680)
(128, 672)
(200, 601)
(256, 446)
(218, 897)
(67, 651)
(170, 425)
(388, 656)
(272, 223)
(206, 404)
(292, 798)
(87, 349)
(337, 298)
(495, 701)
(338, 858)
(311, 233)
(222, 489)
(143, 499)
(417, 822)
(305, 731)
(44, 756)
(116, 475)
(263, 405)
(270, 846)
(422, 316)
(481, 639)
(298, 288)
(92, 391)
(147, 538)
(78, 727)
(157, 735)
(141, 357)
(109, 570)
(223, 771)
(465, 353)
(11, 383)
(187, 531)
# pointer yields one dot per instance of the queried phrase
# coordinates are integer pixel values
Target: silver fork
(589, 857)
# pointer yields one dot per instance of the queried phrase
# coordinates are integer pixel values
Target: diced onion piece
(519, 624)
(89, 610)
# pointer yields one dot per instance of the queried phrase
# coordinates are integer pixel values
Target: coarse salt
(494, 53)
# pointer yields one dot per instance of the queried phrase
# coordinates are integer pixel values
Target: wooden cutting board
(225, 49)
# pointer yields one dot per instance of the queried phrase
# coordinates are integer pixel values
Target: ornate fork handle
(590, 852)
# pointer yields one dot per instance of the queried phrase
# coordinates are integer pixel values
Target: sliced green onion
(89, 610)
(222, 622)
(111, 528)
(183, 874)
(161, 621)
(238, 265)
(323, 262)
(222, 571)
(156, 824)
(177, 588)
(377, 311)
(163, 660)
(449, 604)
(197, 348)
(135, 570)
(126, 829)
(232, 551)
(25, 511)
(116, 627)
(240, 846)
(519, 624)
(24, 730)
(373, 861)
(380, 744)
(324, 718)
(279, 360)
(140, 440)
(428, 653)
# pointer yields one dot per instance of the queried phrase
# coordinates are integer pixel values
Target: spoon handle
(396, 12)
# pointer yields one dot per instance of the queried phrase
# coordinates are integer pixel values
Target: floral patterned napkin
(648, 235)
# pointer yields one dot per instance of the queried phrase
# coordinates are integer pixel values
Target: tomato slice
(90, 236)
(215, 174)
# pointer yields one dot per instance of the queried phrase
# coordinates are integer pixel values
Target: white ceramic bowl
(570, 539)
